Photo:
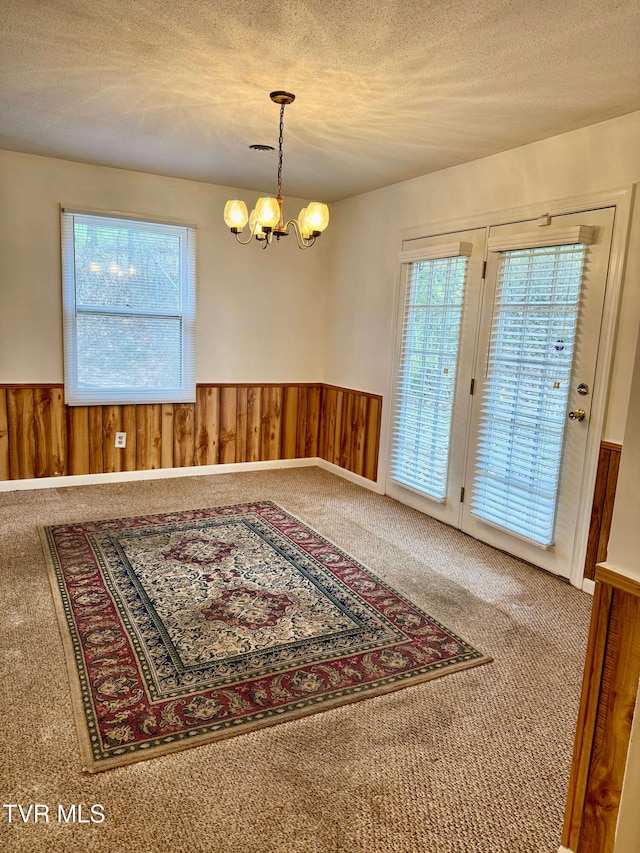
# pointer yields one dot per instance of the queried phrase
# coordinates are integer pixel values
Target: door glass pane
(524, 413)
(427, 374)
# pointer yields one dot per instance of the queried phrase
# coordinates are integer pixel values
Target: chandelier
(265, 220)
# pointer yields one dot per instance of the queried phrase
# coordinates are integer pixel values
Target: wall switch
(121, 439)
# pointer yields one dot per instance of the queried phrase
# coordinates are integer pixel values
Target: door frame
(622, 199)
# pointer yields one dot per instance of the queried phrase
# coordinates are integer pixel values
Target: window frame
(99, 395)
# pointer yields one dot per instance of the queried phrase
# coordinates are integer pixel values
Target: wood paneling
(50, 432)
(241, 425)
(271, 432)
(607, 704)
(358, 434)
(345, 428)
(130, 426)
(207, 425)
(78, 439)
(112, 458)
(602, 509)
(22, 437)
(290, 422)
(372, 440)
(184, 436)
(346, 425)
(228, 424)
(322, 427)
(5, 473)
(41, 437)
(166, 441)
(313, 421)
(331, 413)
(254, 422)
(96, 440)
(587, 714)
(148, 437)
(335, 456)
(301, 423)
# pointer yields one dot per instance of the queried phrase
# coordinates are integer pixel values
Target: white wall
(628, 828)
(259, 313)
(623, 553)
(282, 314)
(365, 243)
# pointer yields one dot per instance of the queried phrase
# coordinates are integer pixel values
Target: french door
(507, 435)
(437, 323)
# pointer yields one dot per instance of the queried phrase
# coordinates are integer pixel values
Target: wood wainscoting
(602, 509)
(42, 437)
(609, 689)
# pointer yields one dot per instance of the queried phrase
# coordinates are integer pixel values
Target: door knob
(578, 415)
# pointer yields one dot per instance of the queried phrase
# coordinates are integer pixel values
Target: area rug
(184, 628)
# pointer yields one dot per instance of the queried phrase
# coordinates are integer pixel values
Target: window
(427, 369)
(129, 310)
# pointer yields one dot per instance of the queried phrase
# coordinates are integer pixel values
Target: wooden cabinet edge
(608, 575)
(614, 636)
(587, 713)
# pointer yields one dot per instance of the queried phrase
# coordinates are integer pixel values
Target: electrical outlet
(121, 439)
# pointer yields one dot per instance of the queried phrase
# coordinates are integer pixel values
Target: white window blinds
(129, 310)
(523, 412)
(427, 373)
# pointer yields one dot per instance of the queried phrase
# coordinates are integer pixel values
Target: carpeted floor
(476, 762)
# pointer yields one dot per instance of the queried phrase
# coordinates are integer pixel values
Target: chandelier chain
(280, 141)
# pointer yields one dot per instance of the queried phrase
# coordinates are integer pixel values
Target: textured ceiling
(385, 90)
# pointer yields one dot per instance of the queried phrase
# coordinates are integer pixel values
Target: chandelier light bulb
(235, 214)
(268, 212)
(317, 216)
(305, 231)
(254, 225)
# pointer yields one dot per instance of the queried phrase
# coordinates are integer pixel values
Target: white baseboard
(349, 475)
(192, 471)
(155, 474)
(564, 850)
(588, 586)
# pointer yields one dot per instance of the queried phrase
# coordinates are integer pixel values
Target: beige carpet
(476, 762)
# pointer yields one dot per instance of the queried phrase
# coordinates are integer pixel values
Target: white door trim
(613, 291)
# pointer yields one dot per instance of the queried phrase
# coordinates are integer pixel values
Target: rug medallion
(187, 627)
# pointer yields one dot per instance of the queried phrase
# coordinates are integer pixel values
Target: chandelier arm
(244, 242)
(303, 242)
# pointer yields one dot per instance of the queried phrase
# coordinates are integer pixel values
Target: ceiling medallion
(265, 220)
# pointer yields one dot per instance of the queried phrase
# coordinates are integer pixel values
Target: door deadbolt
(583, 389)
(578, 415)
